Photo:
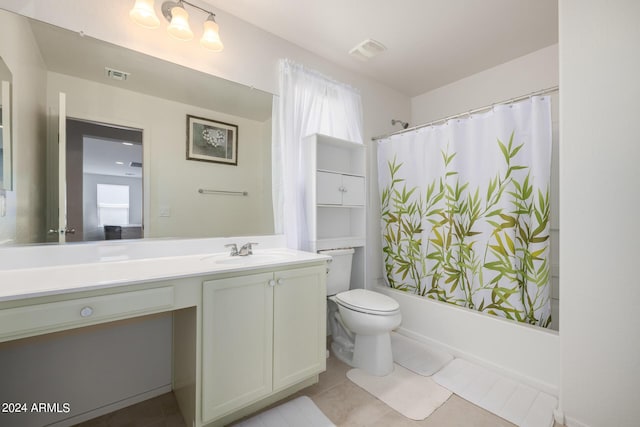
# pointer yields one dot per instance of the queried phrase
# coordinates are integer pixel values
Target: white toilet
(360, 320)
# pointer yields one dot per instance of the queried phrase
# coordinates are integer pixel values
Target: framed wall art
(212, 141)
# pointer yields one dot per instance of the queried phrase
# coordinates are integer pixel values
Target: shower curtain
(465, 211)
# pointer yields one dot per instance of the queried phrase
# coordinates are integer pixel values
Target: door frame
(53, 180)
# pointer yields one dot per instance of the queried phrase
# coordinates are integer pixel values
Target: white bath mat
(416, 356)
(412, 395)
(295, 413)
(513, 401)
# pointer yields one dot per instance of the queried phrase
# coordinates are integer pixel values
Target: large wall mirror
(68, 84)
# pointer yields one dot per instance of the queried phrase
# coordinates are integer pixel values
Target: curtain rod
(470, 112)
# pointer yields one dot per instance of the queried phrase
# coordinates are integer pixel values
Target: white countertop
(31, 282)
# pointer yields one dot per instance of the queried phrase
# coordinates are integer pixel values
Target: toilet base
(343, 353)
(372, 354)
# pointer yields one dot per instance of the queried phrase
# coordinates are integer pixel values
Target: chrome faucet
(234, 249)
(246, 249)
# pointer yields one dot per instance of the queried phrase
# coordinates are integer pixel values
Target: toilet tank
(339, 276)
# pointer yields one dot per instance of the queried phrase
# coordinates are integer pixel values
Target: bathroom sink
(256, 258)
(250, 259)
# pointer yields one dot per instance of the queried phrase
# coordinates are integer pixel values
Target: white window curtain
(309, 103)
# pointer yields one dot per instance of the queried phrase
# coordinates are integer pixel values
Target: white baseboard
(539, 385)
(112, 407)
(572, 422)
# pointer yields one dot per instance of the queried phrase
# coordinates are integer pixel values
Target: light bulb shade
(211, 36)
(144, 14)
(179, 26)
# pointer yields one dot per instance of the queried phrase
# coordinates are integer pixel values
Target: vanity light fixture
(211, 36)
(179, 21)
(144, 14)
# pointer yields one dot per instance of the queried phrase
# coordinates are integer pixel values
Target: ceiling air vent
(367, 49)
(135, 164)
(116, 74)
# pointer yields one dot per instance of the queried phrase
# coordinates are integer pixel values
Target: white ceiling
(430, 42)
(101, 157)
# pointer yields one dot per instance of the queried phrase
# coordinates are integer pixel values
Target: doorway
(104, 195)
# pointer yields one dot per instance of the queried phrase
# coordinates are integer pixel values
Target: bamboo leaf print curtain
(465, 211)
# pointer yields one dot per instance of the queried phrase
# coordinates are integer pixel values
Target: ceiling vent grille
(367, 49)
(116, 74)
(135, 164)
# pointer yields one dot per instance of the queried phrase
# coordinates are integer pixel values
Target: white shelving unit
(336, 198)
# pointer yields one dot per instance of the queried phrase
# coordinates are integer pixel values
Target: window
(113, 204)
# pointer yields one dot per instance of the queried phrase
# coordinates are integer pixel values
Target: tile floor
(342, 402)
(161, 411)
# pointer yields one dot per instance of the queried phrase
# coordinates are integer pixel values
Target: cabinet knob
(86, 311)
(280, 281)
(272, 283)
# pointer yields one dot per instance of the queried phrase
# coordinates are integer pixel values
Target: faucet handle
(247, 248)
(234, 248)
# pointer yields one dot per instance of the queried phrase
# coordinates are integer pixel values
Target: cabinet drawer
(76, 312)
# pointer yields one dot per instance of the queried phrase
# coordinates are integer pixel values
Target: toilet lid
(367, 301)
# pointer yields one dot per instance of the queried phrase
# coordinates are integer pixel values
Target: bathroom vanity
(247, 331)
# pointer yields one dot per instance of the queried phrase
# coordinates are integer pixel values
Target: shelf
(336, 198)
(337, 156)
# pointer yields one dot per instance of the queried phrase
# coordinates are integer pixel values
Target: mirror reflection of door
(104, 181)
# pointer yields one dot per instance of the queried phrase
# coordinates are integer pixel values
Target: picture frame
(212, 141)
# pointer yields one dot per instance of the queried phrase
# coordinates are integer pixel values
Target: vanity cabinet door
(237, 344)
(261, 334)
(299, 331)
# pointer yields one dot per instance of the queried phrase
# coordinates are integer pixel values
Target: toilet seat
(368, 302)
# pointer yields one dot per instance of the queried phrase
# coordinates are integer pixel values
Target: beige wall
(170, 181)
(24, 222)
(535, 71)
(600, 128)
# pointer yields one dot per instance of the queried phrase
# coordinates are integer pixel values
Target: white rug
(295, 413)
(414, 396)
(416, 356)
(520, 404)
